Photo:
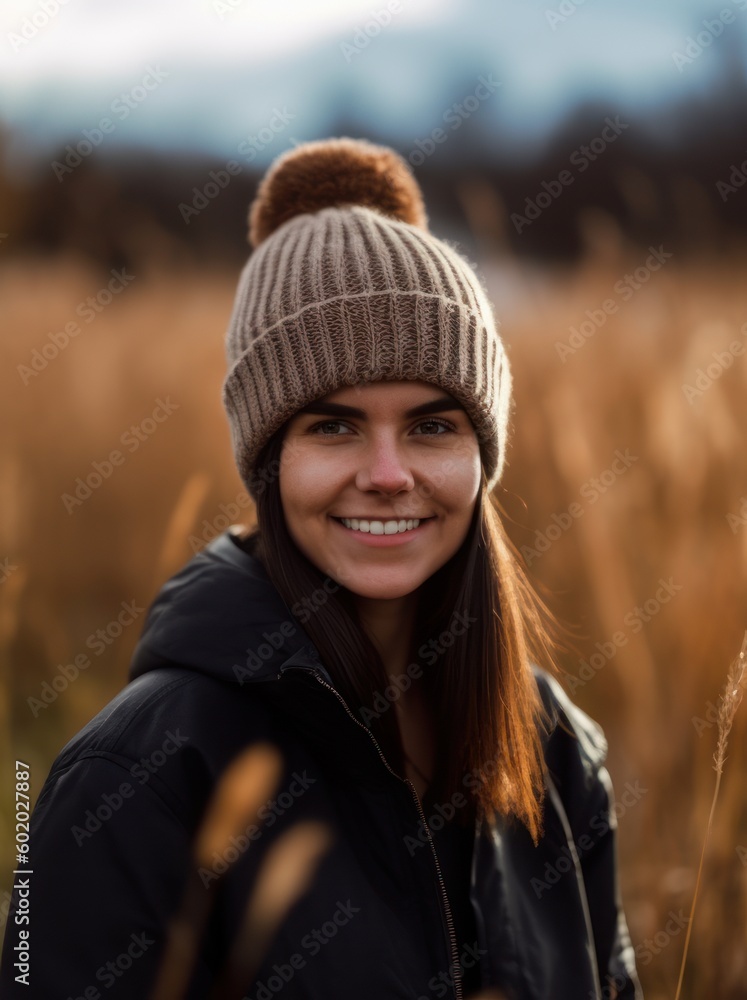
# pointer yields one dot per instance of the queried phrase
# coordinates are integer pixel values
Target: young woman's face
(383, 452)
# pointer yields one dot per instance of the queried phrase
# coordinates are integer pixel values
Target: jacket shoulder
(567, 723)
(172, 727)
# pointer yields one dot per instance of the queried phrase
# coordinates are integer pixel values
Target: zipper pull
(306, 659)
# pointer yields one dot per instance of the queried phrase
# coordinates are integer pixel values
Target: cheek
(459, 480)
(305, 484)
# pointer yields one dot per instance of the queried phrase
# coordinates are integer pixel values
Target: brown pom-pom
(336, 172)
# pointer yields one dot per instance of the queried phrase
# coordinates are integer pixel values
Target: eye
(315, 429)
(437, 423)
(444, 424)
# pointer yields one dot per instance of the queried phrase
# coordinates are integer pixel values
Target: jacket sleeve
(108, 863)
(614, 949)
(576, 754)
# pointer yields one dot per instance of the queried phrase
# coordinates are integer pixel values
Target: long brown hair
(487, 709)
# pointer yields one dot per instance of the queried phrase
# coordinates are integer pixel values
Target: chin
(379, 584)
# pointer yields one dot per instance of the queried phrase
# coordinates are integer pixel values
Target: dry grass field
(626, 490)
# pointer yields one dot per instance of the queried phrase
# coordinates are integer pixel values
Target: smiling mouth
(382, 527)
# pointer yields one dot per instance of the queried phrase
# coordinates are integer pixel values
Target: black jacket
(223, 663)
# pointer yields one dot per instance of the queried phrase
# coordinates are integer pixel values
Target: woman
(377, 630)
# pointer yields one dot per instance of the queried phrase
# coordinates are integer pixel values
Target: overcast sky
(229, 64)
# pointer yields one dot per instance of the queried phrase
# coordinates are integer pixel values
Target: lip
(384, 541)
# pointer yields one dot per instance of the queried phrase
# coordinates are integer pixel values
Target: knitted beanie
(345, 285)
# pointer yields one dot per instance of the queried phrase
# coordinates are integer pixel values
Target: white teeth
(380, 527)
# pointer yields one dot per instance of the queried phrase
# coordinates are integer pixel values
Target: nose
(383, 468)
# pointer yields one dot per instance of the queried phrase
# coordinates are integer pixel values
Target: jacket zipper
(456, 972)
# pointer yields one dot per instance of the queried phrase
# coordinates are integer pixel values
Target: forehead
(388, 395)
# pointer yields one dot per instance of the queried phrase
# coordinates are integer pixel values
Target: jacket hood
(221, 615)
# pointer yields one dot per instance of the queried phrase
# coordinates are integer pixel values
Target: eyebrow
(439, 405)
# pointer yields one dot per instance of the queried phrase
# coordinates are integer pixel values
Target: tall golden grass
(674, 513)
(729, 702)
